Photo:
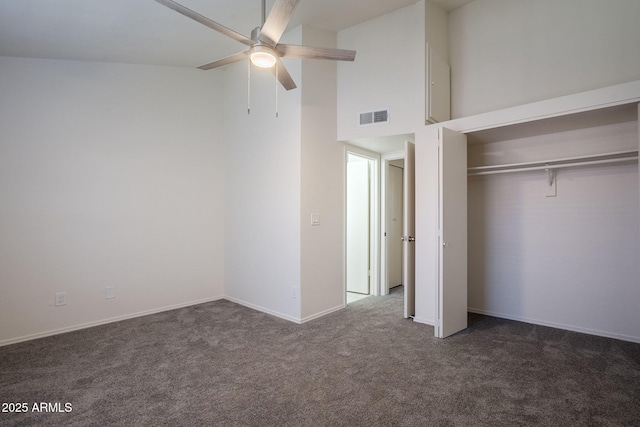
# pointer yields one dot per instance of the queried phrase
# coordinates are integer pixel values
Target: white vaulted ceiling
(145, 32)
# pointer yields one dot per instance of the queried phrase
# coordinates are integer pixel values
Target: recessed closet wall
(569, 260)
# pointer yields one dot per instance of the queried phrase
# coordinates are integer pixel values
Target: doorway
(381, 154)
(392, 207)
(397, 264)
(361, 223)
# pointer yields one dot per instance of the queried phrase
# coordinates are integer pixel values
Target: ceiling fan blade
(283, 75)
(277, 21)
(224, 61)
(295, 51)
(206, 21)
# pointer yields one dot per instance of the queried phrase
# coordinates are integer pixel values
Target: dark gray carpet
(222, 364)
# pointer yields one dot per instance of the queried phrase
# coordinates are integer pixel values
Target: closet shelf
(597, 159)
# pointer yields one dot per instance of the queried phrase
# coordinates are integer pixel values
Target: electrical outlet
(61, 299)
(110, 292)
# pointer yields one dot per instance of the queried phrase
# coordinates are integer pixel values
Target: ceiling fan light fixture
(263, 56)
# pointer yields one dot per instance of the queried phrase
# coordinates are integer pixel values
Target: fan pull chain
(249, 87)
(276, 90)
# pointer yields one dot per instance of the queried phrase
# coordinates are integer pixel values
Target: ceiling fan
(264, 49)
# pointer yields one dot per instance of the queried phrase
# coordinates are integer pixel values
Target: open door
(452, 286)
(409, 231)
(358, 224)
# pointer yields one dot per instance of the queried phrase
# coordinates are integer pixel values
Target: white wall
(283, 170)
(388, 72)
(322, 184)
(110, 175)
(279, 172)
(505, 53)
(262, 197)
(569, 261)
(135, 176)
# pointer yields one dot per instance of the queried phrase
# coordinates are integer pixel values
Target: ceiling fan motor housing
(255, 33)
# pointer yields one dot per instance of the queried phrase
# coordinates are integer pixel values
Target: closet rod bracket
(550, 175)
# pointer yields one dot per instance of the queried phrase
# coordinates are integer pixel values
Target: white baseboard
(104, 321)
(323, 313)
(284, 316)
(161, 309)
(263, 310)
(424, 321)
(556, 325)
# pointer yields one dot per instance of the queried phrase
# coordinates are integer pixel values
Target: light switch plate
(315, 219)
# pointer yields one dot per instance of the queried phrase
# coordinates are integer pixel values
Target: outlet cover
(61, 299)
(110, 292)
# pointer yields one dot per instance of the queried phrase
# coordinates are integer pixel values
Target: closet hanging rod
(557, 166)
(616, 157)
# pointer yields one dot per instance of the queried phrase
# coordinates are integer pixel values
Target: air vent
(380, 116)
(366, 118)
(372, 117)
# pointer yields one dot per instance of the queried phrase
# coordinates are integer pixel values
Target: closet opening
(553, 221)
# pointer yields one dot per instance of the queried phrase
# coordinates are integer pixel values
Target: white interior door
(358, 224)
(409, 231)
(452, 292)
(394, 228)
